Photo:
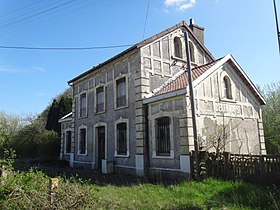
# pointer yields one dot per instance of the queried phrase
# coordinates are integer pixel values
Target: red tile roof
(182, 80)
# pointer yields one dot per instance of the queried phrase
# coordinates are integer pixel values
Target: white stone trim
(121, 120)
(95, 141)
(95, 97)
(64, 140)
(79, 104)
(153, 128)
(79, 137)
(185, 165)
(121, 76)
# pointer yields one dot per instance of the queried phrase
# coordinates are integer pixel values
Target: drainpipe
(192, 99)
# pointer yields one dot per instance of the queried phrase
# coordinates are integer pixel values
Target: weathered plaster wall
(106, 76)
(238, 118)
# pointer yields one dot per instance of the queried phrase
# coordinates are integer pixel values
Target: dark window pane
(82, 145)
(68, 142)
(121, 139)
(121, 92)
(100, 99)
(178, 47)
(163, 136)
(83, 105)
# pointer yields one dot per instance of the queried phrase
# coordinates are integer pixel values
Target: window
(163, 136)
(83, 105)
(227, 88)
(191, 51)
(121, 133)
(68, 142)
(82, 141)
(178, 47)
(100, 99)
(121, 92)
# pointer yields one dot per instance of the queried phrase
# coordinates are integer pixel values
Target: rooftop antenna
(277, 26)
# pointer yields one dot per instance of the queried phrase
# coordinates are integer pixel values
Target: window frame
(80, 105)
(192, 54)
(79, 140)
(154, 143)
(227, 88)
(65, 141)
(96, 99)
(162, 122)
(120, 77)
(178, 47)
(126, 121)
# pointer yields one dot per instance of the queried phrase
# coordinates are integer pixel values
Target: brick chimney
(198, 31)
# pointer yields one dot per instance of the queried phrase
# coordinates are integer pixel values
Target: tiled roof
(181, 81)
(143, 43)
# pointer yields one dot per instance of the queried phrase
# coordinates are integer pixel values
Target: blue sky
(29, 79)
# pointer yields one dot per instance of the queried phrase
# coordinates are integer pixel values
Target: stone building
(132, 112)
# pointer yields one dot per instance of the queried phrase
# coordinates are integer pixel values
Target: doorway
(101, 145)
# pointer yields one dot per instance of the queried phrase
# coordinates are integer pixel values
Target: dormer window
(227, 88)
(178, 48)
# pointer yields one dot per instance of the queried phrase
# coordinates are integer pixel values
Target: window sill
(121, 107)
(178, 59)
(228, 100)
(102, 112)
(82, 117)
(171, 156)
(163, 157)
(82, 154)
(121, 156)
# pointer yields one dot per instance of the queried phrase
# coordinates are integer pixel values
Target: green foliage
(271, 117)
(34, 141)
(29, 190)
(61, 106)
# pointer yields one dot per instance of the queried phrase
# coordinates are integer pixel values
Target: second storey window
(83, 105)
(227, 88)
(82, 141)
(178, 48)
(163, 136)
(121, 139)
(121, 92)
(100, 99)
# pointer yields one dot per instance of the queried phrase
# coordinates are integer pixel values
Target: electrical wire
(64, 48)
(147, 12)
(35, 14)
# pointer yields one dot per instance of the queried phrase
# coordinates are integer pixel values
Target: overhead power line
(146, 17)
(63, 48)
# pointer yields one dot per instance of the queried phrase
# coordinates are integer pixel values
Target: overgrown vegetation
(271, 117)
(35, 136)
(29, 190)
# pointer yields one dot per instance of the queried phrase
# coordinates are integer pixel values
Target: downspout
(192, 99)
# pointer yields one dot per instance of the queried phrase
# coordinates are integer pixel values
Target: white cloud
(180, 4)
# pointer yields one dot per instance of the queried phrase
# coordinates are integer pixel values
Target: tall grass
(29, 190)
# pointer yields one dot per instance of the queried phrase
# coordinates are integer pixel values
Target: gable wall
(158, 60)
(238, 118)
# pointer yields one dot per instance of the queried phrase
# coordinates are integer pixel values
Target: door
(101, 145)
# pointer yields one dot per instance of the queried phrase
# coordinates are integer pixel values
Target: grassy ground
(29, 190)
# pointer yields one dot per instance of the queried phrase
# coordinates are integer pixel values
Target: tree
(56, 111)
(271, 117)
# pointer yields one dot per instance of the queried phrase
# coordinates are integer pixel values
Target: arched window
(178, 48)
(191, 51)
(227, 88)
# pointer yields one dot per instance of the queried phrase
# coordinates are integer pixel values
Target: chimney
(198, 31)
